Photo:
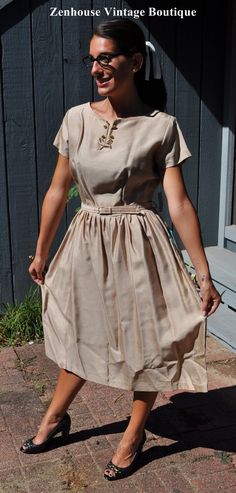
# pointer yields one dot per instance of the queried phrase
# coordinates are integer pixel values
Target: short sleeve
(61, 140)
(173, 149)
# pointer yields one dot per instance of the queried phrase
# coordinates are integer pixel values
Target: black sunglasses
(103, 59)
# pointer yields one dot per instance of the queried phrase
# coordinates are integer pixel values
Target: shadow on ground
(191, 420)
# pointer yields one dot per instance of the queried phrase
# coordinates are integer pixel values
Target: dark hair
(130, 39)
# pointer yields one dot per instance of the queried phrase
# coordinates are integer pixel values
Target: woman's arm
(186, 222)
(52, 210)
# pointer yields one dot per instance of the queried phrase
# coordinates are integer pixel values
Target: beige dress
(119, 306)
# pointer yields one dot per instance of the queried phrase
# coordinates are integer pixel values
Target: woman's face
(117, 77)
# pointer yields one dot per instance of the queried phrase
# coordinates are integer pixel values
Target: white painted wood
(223, 266)
(226, 183)
(223, 325)
(230, 232)
(222, 263)
(228, 138)
(228, 296)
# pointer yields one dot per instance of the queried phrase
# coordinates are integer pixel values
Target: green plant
(189, 266)
(22, 322)
(40, 387)
(73, 192)
(224, 456)
(192, 275)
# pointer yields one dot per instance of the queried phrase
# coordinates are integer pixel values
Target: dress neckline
(119, 118)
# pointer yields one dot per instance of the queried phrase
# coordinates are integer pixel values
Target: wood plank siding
(4, 3)
(41, 76)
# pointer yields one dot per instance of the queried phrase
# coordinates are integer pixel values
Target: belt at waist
(118, 209)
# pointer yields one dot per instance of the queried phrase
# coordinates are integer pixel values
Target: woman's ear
(137, 60)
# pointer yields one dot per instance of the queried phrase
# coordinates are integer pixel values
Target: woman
(119, 307)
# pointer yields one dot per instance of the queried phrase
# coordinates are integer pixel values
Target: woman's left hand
(210, 298)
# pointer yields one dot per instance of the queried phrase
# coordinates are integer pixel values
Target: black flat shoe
(63, 427)
(123, 472)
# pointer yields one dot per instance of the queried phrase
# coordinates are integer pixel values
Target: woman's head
(125, 40)
(127, 69)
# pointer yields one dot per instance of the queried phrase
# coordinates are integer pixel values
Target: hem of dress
(161, 386)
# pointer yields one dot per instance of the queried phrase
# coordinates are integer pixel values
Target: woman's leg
(68, 385)
(142, 405)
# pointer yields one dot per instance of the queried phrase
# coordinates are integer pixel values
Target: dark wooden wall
(41, 76)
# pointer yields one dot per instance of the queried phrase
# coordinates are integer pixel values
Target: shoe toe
(114, 472)
(27, 445)
(109, 474)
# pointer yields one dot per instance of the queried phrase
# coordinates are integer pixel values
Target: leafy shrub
(22, 322)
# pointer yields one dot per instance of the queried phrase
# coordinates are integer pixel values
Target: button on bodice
(106, 139)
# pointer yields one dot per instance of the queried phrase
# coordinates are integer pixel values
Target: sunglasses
(103, 59)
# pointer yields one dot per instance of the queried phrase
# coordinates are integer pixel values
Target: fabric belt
(118, 209)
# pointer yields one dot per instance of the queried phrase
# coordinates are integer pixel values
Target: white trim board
(226, 183)
(228, 129)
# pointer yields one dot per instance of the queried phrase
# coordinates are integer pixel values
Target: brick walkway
(191, 438)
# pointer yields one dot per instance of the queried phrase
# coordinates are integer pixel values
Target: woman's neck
(123, 108)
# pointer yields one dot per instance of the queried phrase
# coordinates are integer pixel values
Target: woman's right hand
(52, 209)
(38, 269)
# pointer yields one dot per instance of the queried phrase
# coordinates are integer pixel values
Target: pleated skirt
(119, 307)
